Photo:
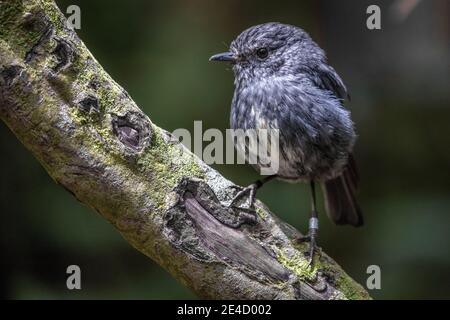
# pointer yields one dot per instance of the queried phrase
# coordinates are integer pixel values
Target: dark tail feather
(340, 201)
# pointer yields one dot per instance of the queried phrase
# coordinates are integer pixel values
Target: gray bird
(283, 81)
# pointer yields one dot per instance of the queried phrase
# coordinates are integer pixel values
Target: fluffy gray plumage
(283, 81)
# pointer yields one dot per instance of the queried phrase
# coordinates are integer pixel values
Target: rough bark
(95, 142)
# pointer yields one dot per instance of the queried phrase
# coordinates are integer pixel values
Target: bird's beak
(224, 56)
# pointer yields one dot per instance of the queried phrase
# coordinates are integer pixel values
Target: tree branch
(95, 142)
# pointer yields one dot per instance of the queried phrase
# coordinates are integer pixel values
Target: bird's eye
(262, 53)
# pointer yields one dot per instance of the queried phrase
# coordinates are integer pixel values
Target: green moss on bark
(167, 163)
(297, 263)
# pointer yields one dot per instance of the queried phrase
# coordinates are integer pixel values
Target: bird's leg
(313, 225)
(251, 190)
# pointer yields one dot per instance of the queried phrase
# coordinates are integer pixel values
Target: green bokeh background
(398, 78)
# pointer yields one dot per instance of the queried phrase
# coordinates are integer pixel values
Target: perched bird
(283, 81)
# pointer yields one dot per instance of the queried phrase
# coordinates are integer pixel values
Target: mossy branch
(95, 142)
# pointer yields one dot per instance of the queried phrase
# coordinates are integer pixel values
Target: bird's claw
(250, 189)
(311, 248)
(311, 239)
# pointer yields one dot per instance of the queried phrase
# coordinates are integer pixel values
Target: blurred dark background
(398, 78)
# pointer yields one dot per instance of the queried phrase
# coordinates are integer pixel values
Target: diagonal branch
(95, 142)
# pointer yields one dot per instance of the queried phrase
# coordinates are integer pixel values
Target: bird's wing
(325, 77)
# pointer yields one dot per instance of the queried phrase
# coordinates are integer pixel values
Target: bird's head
(270, 49)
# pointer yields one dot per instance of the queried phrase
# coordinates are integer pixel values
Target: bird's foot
(311, 239)
(251, 191)
(310, 249)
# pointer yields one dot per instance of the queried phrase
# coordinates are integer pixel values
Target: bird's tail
(339, 194)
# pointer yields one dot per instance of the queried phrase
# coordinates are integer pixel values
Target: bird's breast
(315, 132)
(255, 106)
